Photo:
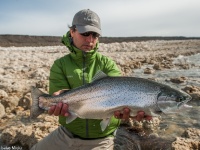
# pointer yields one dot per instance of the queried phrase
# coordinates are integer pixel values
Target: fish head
(171, 100)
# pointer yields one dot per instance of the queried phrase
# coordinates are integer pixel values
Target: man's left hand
(125, 115)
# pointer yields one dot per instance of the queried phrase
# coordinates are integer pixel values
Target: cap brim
(88, 28)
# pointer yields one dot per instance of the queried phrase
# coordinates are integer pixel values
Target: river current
(175, 124)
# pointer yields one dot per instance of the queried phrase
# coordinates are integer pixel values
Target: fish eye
(179, 99)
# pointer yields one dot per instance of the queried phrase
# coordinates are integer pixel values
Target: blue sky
(119, 18)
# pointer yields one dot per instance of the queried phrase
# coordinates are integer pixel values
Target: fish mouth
(183, 104)
(187, 99)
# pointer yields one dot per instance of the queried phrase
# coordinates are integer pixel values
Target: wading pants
(61, 139)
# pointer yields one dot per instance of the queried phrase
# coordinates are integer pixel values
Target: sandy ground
(22, 67)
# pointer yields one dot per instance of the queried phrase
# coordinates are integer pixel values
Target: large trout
(100, 98)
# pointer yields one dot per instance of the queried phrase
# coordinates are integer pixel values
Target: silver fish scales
(99, 99)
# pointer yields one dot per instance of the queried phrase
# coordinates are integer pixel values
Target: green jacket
(74, 70)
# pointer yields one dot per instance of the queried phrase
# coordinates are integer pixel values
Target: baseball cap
(87, 21)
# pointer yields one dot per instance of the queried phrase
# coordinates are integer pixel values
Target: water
(174, 125)
(193, 73)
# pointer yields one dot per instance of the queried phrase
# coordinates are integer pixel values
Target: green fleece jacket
(74, 70)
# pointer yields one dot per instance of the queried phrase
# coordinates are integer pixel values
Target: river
(175, 124)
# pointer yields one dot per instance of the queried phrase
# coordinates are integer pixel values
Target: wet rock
(157, 66)
(194, 91)
(195, 96)
(185, 66)
(137, 65)
(168, 65)
(178, 80)
(149, 71)
(191, 89)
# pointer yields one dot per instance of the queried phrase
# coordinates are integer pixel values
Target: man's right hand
(60, 108)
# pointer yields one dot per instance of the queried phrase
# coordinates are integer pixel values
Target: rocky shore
(22, 67)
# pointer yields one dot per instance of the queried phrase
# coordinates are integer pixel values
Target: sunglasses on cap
(94, 34)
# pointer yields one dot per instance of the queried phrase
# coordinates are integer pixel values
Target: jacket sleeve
(111, 68)
(57, 79)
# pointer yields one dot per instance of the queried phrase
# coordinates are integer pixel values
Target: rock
(178, 80)
(192, 133)
(185, 66)
(194, 91)
(29, 134)
(20, 134)
(21, 67)
(130, 140)
(191, 89)
(195, 96)
(2, 111)
(40, 74)
(148, 71)
(191, 140)
(18, 110)
(43, 84)
(25, 101)
(186, 144)
(10, 103)
(144, 126)
(157, 67)
(137, 65)
(3, 94)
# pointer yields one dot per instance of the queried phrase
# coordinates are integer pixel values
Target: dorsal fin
(99, 75)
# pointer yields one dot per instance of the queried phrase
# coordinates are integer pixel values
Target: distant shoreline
(8, 40)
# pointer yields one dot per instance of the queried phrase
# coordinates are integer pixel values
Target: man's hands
(60, 108)
(126, 115)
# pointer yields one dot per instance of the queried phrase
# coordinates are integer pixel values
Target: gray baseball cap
(86, 21)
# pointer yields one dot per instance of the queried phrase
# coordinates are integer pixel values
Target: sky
(119, 18)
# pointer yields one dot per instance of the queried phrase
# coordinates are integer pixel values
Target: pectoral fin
(104, 123)
(71, 117)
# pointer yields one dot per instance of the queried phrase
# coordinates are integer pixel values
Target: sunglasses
(94, 34)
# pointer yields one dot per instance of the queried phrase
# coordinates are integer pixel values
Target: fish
(105, 95)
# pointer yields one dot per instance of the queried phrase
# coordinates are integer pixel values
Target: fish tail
(35, 110)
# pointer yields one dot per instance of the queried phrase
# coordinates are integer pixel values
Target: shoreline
(23, 67)
(9, 40)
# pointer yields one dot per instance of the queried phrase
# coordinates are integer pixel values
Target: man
(76, 69)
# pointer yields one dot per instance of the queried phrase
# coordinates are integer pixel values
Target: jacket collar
(75, 52)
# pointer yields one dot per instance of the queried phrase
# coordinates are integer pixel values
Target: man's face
(86, 41)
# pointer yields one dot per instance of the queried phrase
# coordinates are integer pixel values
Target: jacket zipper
(84, 67)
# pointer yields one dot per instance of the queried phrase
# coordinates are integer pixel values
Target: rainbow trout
(100, 98)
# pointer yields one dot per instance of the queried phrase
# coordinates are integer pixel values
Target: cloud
(119, 18)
